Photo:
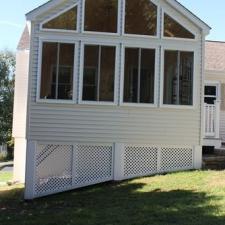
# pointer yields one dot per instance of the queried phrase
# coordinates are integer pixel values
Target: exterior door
(211, 93)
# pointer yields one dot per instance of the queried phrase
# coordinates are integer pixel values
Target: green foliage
(7, 74)
(5, 176)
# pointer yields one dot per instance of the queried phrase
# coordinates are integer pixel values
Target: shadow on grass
(112, 204)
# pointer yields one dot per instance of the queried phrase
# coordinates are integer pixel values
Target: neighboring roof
(174, 3)
(24, 43)
(215, 55)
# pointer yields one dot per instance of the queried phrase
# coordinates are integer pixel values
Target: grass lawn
(5, 176)
(186, 198)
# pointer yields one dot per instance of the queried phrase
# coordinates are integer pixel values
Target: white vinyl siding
(111, 124)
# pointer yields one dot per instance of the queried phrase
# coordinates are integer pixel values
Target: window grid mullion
(178, 77)
(139, 75)
(99, 72)
(57, 72)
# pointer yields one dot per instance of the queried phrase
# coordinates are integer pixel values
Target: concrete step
(214, 162)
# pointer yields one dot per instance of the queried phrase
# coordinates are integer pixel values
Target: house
(115, 91)
(214, 94)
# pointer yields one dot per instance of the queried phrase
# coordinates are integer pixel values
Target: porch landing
(214, 160)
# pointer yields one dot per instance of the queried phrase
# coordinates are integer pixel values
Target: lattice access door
(53, 168)
(64, 167)
(93, 164)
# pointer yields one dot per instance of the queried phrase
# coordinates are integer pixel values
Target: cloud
(8, 23)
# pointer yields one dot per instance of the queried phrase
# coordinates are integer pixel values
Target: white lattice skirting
(54, 168)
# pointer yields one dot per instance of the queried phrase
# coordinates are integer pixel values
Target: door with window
(212, 109)
(211, 93)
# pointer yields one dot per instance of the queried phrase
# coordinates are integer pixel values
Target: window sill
(138, 105)
(95, 103)
(179, 39)
(140, 36)
(59, 30)
(100, 33)
(167, 106)
(51, 101)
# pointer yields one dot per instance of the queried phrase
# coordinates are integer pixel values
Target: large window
(99, 73)
(57, 71)
(65, 21)
(173, 29)
(101, 15)
(139, 75)
(178, 78)
(140, 17)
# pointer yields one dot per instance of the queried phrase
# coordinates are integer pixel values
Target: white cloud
(8, 23)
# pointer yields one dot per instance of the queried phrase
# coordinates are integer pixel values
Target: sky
(12, 18)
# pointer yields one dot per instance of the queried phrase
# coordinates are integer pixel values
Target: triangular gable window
(140, 17)
(173, 29)
(65, 21)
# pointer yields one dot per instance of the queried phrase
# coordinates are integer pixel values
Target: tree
(7, 77)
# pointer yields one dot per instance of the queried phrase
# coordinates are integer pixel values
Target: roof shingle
(24, 43)
(215, 55)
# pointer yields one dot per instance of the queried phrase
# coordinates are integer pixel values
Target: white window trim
(156, 77)
(175, 38)
(116, 77)
(157, 36)
(75, 72)
(194, 94)
(98, 32)
(60, 13)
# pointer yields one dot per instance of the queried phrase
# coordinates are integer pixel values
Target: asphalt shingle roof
(215, 55)
(24, 43)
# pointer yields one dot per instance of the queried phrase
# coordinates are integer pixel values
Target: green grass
(186, 198)
(5, 176)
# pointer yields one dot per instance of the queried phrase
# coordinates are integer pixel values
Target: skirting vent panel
(140, 160)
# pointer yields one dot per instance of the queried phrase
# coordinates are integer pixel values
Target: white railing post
(204, 120)
(217, 118)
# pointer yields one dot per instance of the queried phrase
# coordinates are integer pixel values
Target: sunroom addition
(115, 92)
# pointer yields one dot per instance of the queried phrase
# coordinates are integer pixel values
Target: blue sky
(12, 18)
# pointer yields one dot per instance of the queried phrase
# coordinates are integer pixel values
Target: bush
(6, 156)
